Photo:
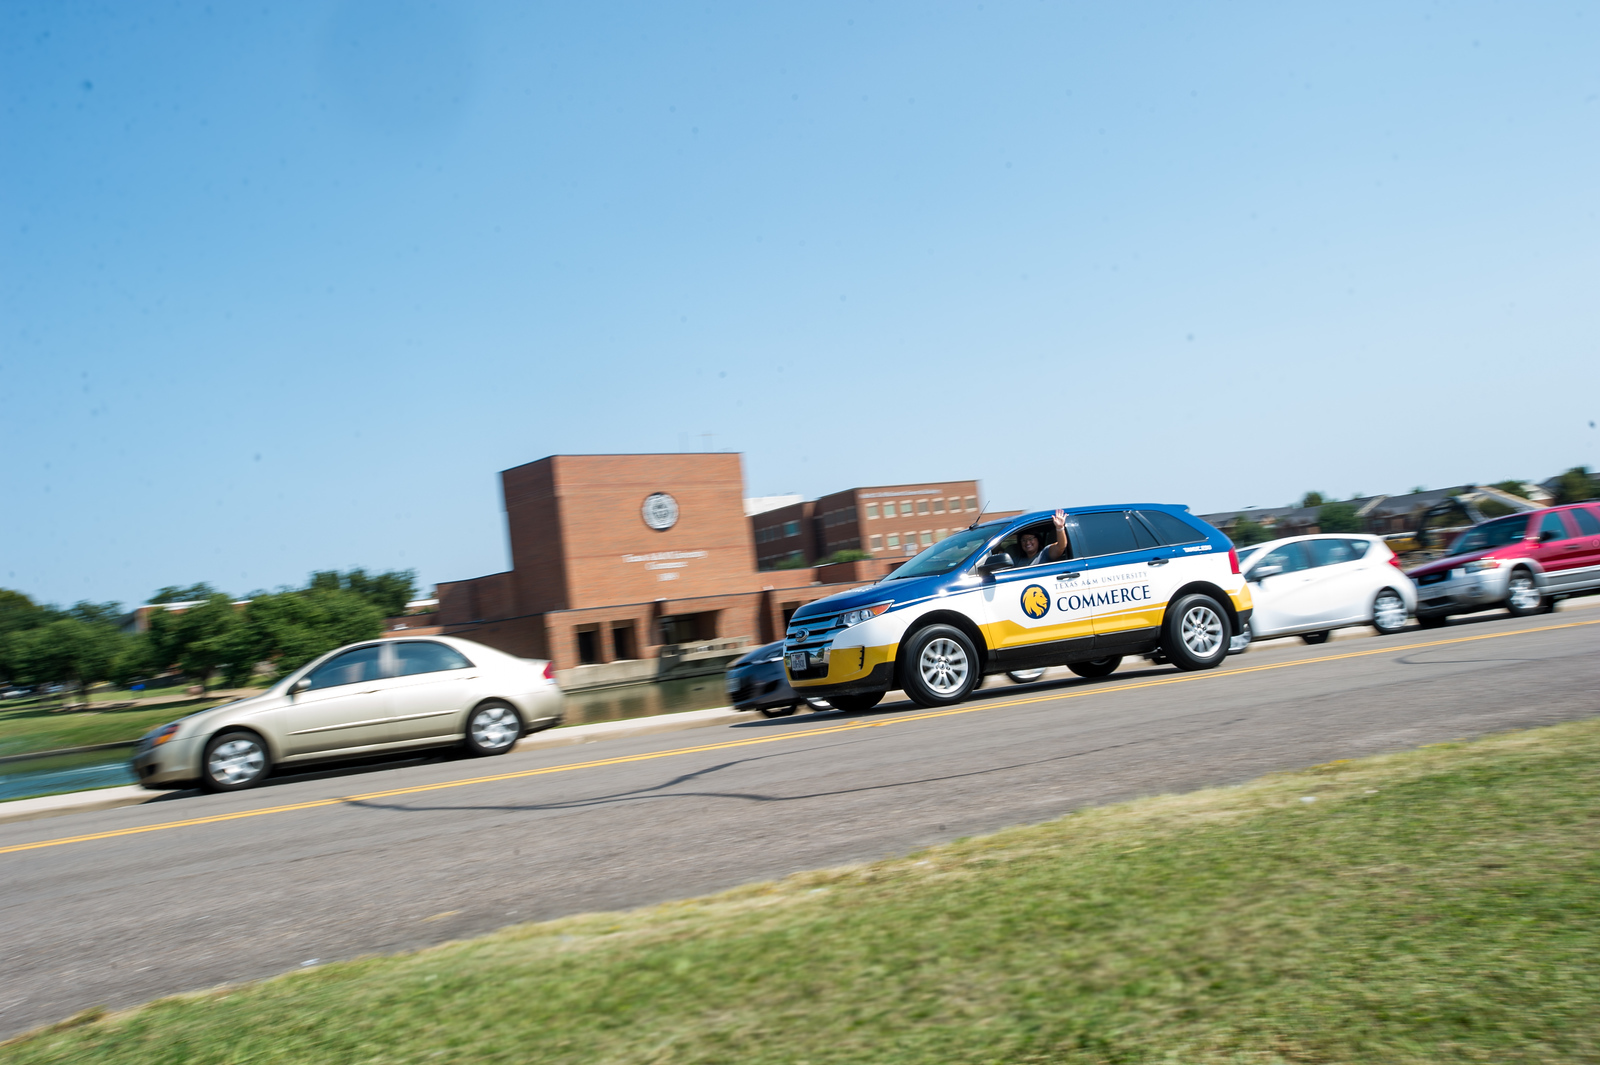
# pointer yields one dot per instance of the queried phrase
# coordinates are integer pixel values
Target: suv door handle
(1156, 562)
(1068, 576)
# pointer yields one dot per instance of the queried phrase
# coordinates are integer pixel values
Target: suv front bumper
(1462, 592)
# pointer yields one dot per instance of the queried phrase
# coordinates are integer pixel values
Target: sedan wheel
(493, 728)
(234, 761)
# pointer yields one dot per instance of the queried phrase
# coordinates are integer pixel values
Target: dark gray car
(757, 682)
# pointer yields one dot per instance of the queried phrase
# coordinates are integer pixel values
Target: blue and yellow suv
(1145, 578)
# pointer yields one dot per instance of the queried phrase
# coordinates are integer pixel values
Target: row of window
(922, 506)
(925, 537)
(778, 532)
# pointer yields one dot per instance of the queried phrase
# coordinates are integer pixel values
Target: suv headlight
(1481, 565)
(856, 617)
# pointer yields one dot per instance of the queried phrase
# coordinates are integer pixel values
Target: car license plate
(799, 661)
(734, 683)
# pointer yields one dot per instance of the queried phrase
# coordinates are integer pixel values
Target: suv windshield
(1490, 534)
(945, 555)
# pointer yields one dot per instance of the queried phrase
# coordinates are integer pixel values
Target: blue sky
(284, 286)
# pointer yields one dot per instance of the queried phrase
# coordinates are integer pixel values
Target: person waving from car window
(1038, 553)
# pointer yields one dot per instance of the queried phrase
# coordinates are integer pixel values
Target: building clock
(660, 511)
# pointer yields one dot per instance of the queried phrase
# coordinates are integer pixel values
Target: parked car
(757, 682)
(367, 698)
(1307, 586)
(1524, 562)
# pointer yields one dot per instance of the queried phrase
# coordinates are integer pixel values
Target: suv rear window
(1588, 524)
(1490, 534)
(1172, 529)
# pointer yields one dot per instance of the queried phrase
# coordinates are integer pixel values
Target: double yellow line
(851, 726)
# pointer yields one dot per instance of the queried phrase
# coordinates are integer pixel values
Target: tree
(845, 555)
(1312, 499)
(192, 594)
(389, 591)
(209, 636)
(1247, 532)
(292, 628)
(1575, 486)
(795, 560)
(1338, 518)
(18, 614)
(67, 651)
(1516, 488)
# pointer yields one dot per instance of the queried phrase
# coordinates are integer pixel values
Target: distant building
(884, 521)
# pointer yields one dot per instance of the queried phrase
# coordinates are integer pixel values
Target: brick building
(885, 521)
(618, 558)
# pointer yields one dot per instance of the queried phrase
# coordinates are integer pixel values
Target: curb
(134, 795)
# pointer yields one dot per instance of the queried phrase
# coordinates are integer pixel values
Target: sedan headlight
(856, 617)
(163, 734)
(1481, 565)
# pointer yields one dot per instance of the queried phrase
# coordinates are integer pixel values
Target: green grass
(1434, 906)
(38, 727)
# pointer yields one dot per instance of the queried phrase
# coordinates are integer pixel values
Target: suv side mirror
(997, 560)
(1261, 573)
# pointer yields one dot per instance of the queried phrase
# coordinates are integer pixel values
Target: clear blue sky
(284, 286)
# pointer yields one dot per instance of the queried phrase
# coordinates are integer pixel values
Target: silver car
(366, 698)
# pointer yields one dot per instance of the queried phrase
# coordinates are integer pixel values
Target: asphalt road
(202, 890)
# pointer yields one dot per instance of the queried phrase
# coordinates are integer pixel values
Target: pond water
(53, 776)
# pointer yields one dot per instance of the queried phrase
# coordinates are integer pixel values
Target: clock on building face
(660, 511)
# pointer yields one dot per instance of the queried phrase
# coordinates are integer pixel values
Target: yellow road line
(898, 719)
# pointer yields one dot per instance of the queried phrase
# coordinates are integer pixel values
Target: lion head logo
(1035, 601)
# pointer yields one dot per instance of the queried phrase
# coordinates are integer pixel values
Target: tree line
(211, 636)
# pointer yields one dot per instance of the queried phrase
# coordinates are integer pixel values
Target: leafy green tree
(1576, 485)
(1311, 499)
(1338, 518)
(1247, 532)
(793, 561)
(67, 651)
(210, 636)
(192, 594)
(1516, 488)
(18, 614)
(389, 591)
(292, 628)
(846, 555)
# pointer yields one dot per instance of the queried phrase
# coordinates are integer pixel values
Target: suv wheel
(941, 667)
(1522, 595)
(1388, 612)
(1096, 668)
(1196, 635)
(234, 761)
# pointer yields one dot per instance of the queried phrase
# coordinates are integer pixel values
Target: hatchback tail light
(1394, 560)
(549, 671)
(1233, 559)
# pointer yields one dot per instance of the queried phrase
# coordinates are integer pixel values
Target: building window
(922, 506)
(940, 534)
(927, 537)
(955, 505)
(872, 510)
(894, 539)
(588, 645)
(876, 542)
(938, 506)
(888, 509)
(905, 508)
(622, 640)
(972, 502)
(791, 528)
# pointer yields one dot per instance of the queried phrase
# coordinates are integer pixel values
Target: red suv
(1524, 563)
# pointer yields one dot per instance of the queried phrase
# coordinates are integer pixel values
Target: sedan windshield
(1490, 534)
(945, 555)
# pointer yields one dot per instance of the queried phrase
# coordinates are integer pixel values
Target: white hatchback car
(1307, 586)
(366, 698)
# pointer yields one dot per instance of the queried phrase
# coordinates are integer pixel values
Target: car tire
(777, 711)
(493, 727)
(1388, 612)
(1195, 633)
(234, 760)
(1433, 621)
(1025, 676)
(1314, 638)
(1096, 668)
(1522, 594)
(940, 667)
(855, 704)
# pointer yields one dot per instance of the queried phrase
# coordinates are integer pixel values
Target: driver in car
(1038, 553)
